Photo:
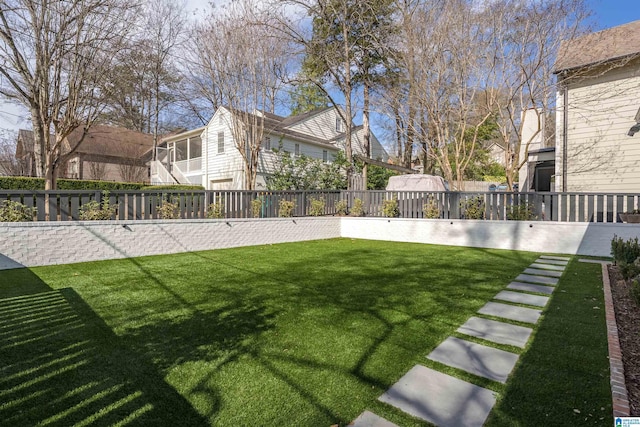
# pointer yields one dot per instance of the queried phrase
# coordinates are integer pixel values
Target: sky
(606, 14)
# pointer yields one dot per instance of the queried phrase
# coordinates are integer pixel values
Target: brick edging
(618, 385)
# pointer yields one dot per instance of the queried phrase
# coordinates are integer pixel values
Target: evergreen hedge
(30, 183)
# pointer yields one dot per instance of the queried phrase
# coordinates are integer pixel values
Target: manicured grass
(563, 377)
(304, 334)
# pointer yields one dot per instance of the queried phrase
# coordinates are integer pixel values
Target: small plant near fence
(473, 208)
(626, 255)
(11, 211)
(285, 208)
(95, 211)
(342, 207)
(317, 207)
(256, 208)
(431, 209)
(390, 208)
(215, 210)
(169, 210)
(358, 208)
(521, 212)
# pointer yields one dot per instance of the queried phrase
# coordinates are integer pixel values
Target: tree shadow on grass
(61, 365)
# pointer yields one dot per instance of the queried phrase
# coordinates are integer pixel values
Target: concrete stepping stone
(547, 266)
(369, 419)
(440, 398)
(478, 359)
(557, 258)
(538, 272)
(521, 298)
(511, 312)
(551, 261)
(537, 279)
(498, 332)
(529, 287)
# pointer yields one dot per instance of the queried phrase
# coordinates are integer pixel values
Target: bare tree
(54, 55)
(526, 37)
(243, 64)
(9, 164)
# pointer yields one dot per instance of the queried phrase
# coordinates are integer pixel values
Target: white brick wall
(579, 238)
(41, 243)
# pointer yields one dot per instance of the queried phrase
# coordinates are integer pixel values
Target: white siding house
(220, 166)
(598, 97)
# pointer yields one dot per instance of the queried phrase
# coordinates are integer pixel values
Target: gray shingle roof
(600, 47)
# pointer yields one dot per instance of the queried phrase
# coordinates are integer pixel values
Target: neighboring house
(209, 156)
(26, 153)
(598, 97)
(539, 169)
(106, 153)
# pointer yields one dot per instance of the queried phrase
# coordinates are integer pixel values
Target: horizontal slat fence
(135, 205)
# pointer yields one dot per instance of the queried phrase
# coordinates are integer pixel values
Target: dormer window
(338, 124)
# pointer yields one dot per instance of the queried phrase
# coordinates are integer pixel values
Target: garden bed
(628, 320)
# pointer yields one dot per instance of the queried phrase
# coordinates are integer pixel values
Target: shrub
(624, 251)
(215, 210)
(168, 210)
(256, 208)
(178, 187)
(473, 208)
(31, 183)
(390, 208)
(521, 212)
(94, 211)
(635, 290)
(431, 209)
(317, 207)
(11, 211)
(341, 207)
(285, 208)
(357, 209)
(629, 269)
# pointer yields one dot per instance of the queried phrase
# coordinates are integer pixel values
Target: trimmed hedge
(173, 187)
(30, 183)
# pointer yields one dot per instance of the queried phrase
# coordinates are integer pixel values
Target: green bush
(177, 187)
(521, 212)
(215, 210)
(256, 208)
(317, 207)
(11, 211)
(285, 208)
(94, 211)
(390, 208)
(624, 251)
(473, 208)
(168, 210)
(341, 207)
(431, 209)
(635, 290)
(30, 183)
(358, 208)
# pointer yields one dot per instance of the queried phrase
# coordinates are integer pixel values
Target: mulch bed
(628, 320)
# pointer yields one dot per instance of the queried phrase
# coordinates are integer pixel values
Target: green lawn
(301, 334)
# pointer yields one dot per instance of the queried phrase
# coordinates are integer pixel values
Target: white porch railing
(191, 166)
(160, 174)
(178, 175)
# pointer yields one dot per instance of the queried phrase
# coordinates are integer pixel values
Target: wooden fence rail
(136, 205)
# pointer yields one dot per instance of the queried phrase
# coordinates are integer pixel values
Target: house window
(267, 144)
(220, 142)
(338, 124)
(296, 151)
(325, 156)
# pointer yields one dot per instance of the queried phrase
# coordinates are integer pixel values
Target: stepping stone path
(447, 401)
(528, 287)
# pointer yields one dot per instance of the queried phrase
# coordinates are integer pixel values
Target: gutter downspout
(565, 131)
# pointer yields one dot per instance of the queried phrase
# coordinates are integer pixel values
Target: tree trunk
(367, 134)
